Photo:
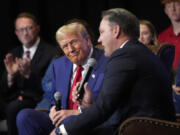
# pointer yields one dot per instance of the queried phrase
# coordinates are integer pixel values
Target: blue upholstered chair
(47, 87)
(166, 54)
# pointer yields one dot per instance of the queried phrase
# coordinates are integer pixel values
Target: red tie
(77, 78)
(28, 54)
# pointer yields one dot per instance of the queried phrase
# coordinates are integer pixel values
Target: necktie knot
(28, 54)
(79, 68)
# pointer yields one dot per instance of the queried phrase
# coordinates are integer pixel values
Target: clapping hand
(176, 89)
(24, 66)
(11, 64)
(21, 65)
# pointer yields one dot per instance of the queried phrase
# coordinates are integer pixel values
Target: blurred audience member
(148, 35)
(25, 67)
(172, 33)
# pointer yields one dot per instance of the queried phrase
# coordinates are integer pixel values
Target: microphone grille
(91, 62)
(57, 95)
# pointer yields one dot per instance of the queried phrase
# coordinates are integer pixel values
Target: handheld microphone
(57, 97)
(91, 62)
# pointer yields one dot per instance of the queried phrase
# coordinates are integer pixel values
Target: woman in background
(148, 36)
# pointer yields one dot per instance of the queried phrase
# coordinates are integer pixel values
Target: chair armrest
(148, 126)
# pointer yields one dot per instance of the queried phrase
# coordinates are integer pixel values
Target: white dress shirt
(32, 49)
(85, 68)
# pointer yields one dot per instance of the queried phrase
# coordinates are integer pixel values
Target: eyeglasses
(28, 29)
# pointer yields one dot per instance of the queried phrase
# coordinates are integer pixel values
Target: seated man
(25, 67)
(136, 83)
(76, 44)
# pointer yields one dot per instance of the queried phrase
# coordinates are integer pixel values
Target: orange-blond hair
(167, 1)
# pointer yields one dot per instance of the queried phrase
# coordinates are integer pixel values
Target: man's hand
(176, 89)
(87, 99)
(53, 132)
(52, 112)
(24, 67)
(11, 64)
(58, 116)
(21, 65)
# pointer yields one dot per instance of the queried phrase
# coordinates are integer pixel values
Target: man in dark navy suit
(135, 82)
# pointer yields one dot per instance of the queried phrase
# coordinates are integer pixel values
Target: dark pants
(12, 110)
(33, 122)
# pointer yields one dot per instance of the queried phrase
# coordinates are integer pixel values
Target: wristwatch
(57, 131)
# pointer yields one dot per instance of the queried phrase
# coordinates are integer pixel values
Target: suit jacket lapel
(67, 79)
(68, 68)
(96, 56)
(37, 56)
(19, 52)
(92, 80)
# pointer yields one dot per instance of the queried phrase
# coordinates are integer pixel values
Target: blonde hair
(71, 28)
(154, 40)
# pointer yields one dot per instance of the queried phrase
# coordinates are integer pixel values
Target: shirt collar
(123, 44)
(85, 65)
(33, 47)
(171, 31)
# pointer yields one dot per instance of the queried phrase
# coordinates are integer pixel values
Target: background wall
(54, 13)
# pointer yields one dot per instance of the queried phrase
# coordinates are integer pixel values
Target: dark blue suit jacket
(62, 72)
(135, 84)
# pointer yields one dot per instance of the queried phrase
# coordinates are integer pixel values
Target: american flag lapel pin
(93, 76)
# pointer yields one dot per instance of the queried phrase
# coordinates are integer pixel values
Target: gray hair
(128, 22)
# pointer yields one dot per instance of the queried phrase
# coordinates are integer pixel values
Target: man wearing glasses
(25, 66)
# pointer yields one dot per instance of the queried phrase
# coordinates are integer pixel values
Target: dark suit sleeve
(39, 65)
(114, 93)
(29, 88)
